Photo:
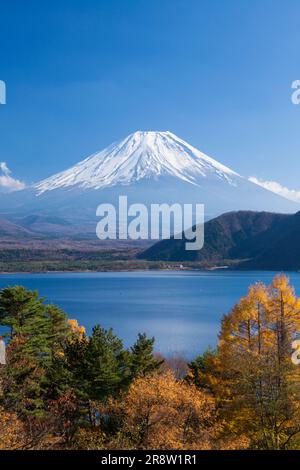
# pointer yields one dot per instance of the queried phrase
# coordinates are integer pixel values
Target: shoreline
(205, 270)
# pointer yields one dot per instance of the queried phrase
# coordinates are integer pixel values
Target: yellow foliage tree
(254, 365)
(13, 435)
(77, 330)
(157, 412)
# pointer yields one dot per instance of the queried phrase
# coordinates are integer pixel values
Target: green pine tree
(143, 360)
(99, 364)
(17, 305)
(107, 363)
(36, 340)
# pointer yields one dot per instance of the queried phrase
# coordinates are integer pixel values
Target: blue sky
(218, 73)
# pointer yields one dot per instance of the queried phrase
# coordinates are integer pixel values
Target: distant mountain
(148, 167)
(142, 155)
(244, 239)
(11, 230)
(281, 247)
(46, 224)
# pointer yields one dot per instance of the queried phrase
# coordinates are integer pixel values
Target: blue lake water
(181, 309)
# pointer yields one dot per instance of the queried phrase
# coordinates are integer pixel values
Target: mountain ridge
(242, 239)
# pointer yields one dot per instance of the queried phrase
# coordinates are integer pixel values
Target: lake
(182, 309)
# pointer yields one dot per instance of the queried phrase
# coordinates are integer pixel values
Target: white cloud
(7, 182)
(277, 188)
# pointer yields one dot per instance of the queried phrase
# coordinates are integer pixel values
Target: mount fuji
(147, 167)
(141, 156)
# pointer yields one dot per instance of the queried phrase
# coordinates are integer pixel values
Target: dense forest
(61, 388)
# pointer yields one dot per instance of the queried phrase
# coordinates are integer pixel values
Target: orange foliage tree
(257, 385)
(13, 434)
(157, 412)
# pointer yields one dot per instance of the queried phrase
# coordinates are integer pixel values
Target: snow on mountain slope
(149, 168)
(141, 155)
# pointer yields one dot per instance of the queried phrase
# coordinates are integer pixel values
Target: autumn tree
(260, 386)
(159, 412)
(13, 435)
(203, 371)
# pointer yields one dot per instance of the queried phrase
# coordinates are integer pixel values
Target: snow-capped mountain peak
(149, 168)
(141, 155)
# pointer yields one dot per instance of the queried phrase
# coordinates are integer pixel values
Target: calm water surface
(181, 309)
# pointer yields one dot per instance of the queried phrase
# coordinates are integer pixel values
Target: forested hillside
(244, 239)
